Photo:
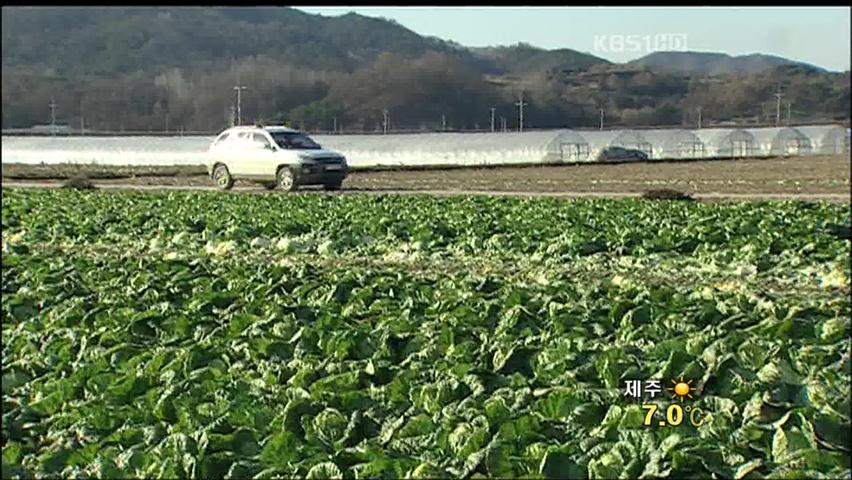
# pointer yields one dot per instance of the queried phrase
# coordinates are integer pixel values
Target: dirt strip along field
(802, 175)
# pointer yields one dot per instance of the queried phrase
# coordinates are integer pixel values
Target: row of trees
(430, 92)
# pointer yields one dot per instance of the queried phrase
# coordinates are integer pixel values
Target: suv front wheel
(285, 179)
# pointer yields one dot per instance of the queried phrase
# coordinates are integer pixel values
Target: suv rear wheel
(222, 177)
(285, 179)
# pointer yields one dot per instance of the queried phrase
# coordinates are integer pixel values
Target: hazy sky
(817, 35)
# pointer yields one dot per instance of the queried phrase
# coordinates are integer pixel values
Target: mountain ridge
(715, 63)
(175, 67)
(105, 40)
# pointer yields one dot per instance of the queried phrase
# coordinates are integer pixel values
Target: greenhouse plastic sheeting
(599, 140)
(459, 148)
(674, 144)
(826, 139)
(106, 150)
(727, 142)
(781, 141)
(569, 146)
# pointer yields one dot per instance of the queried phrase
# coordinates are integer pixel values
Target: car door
(261, 153)
(218, 151)
(239, 154)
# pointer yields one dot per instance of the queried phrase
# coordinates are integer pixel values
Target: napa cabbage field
(200, 334)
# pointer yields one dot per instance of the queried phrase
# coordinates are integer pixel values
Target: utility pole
(520, 103)
(443, 123)
(503, 122)
(386, 121)
(699, 118)
(778, 96)
(335, 124)
(788, 112)
(492, 119)
(52, 106)
(602, 118)
(239, 89)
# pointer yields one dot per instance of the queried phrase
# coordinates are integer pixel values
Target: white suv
(275, 156)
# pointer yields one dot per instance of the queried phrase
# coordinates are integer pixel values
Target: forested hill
(141, 68)
(121, 40)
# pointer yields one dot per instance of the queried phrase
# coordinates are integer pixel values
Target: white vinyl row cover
(826, 139)
(781, 141)
(106, 150)
(459, 148)
(552, 146)
(727, 142)
(599, 140)
(674, 144)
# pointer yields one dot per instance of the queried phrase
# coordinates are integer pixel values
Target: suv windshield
(294, 140)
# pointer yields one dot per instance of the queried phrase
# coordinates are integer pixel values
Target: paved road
(832, 197)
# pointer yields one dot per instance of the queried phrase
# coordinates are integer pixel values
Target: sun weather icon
(681, 389)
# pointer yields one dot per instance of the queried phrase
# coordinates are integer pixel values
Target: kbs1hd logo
(674, 413)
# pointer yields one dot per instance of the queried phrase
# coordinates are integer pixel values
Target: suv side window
(259, 141)
(222, 138)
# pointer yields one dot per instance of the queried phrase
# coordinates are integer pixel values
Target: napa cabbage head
(732, 285)
(326, 247)
(835, 278)
(220, 249)
(180, 238)
(155, 243)
(15, 237)
(260, 243)
(834, 328)
(300, 244)
(745, 270)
